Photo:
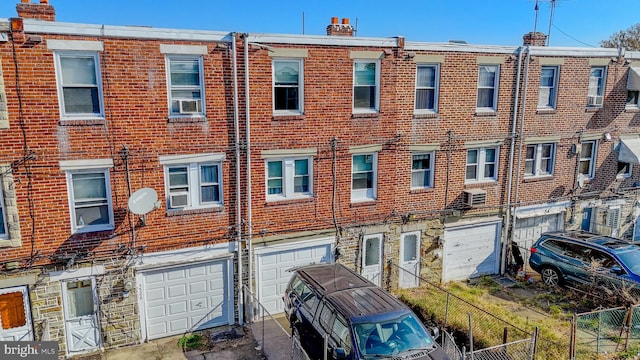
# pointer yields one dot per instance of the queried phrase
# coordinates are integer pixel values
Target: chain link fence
(606, 331)
(269, 332)
(517, 350)
(297, 352)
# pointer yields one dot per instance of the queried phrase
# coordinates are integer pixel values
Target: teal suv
(580, 257)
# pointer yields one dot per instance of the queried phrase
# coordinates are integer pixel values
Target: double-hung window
(366, 86)
(79, 85)
(186, 85)
(482, 164)
(422, 170)
(289, 178)
(288, 90)
(364, 176)
(539, 160)
(587, 159)
(632, 99)
(193, 181)
(488, 76)
(548, 91)
(427, 77)
(595, 94)
(90, 199)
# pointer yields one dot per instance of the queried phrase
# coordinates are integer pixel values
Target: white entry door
(409, 259)
(15, 315)
(81, 315)
(372, 258)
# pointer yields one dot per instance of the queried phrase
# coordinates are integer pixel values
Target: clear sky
(576, 23)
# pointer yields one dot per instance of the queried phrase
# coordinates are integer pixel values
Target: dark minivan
(358, 319)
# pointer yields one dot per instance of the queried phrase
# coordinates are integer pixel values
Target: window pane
(274, 186)
(587, 150)
(426, 76)
(78, 70)
(585, 167)
(487, 76)
(490, 155)
(545, 98)
(92, 215)
(2, 229)
(422, 161)
(472, 156)
(210, 193)
(286, 72)
(632, 97)
(185, 72)
(531, 152)
(365, 73)
(489, 170)
(546, 151)
(362, 162)
(275, 169)
(12, 313)
(485, 98)
(178, 177)
(80, 298)
(421, 179)
(548, 75)
(209, 173)
(472, 172)
(425, 99)
(89, 186)
(301, 167)
(301, 184)
(363, 181)
(410, 247)
(286, 98)
(82, 100)
(364, 97)
(372, 251)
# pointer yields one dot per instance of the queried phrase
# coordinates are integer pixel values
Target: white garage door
(528, 230)
(187, 298)
(272, 265)
(471, 251)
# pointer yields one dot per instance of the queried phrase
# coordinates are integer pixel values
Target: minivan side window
(340, 334)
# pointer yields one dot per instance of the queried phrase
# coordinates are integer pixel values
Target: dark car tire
(551, 276)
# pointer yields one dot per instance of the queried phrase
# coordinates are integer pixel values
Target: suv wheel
(550, 276)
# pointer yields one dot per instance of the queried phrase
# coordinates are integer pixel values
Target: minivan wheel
(551, 276)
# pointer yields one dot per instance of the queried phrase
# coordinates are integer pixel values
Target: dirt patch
(236, 343)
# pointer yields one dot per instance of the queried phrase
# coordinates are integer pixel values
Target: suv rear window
(306, 296)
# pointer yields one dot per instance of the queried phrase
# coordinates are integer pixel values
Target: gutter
(236, 126)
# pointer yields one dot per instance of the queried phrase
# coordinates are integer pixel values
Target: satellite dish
(143, 201)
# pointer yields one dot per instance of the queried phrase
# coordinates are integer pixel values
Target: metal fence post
(598, 333)
(326, 345)
(572, 337)
(470, 337)
(446, 311)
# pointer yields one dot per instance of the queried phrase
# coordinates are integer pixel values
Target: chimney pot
(24, 1)
(334, 20)
(44, 1)
(345, 21)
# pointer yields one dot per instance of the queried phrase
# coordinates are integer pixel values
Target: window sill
(486, 113)
(432, 115)
(538, 178)
(5, 243)
(365, 115)
(172, 212)
(421, 190)
(632, 109)
(95, 229)
(289, 201)
(546, 111)
(79, 122)
(190, 119)
(480, 184)
(592, 109)
(287, 117)
(363, 202)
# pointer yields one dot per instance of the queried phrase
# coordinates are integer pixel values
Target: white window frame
(591, 159)
(194, 185)
(480, 165)
(288, 178)
(3, 212)
(367, 194)
(595, 94)
(550, 102)
(75, 228)
(435, 88)
(495, 87)
(300, 86)
(431, 169)
(634, 103)
(182, 57)
(61, 85)
(376, 109)
(537, 160)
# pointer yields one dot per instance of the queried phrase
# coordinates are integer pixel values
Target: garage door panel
(471, 251)
(178, 299)
(273, 275)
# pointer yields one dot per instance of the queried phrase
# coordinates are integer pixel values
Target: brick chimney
(335, 29)
(535, 39)
(41, 11)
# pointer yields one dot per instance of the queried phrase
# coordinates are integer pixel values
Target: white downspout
(506, 239)
(236, 125)
(249, 239)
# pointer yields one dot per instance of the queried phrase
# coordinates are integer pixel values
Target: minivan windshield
(391, 337)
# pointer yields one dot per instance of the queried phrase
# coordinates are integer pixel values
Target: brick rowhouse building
(153, 178)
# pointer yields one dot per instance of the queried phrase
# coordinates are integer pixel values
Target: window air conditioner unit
(475, 197)
(594, 100)
(178, 200)
(189, 106)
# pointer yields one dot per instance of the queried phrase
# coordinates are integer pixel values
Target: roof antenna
(303, 23)
(553, 6)
(535, 24)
